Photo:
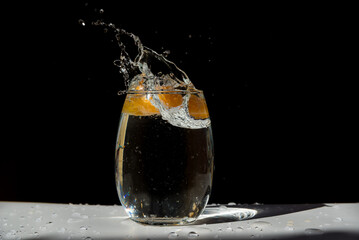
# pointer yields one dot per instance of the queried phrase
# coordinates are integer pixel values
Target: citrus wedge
(140, 104)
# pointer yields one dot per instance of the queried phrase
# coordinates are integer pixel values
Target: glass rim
(164, 91)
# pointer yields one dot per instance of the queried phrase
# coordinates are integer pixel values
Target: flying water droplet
(166, 53)
(82, 22)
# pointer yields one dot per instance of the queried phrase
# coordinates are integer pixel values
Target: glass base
(164, 221)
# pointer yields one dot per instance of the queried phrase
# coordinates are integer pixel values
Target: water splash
(149, 72)
(148, 68)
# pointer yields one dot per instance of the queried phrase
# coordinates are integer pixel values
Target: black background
(278, 80)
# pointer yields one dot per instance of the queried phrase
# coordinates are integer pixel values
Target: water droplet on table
(239, 229)
(222, 207)
(172, 235)
(76, 214)
(192, 235)
(83, 228)
(260, 225)
(313, 231)
(289, 228)
(338, 219)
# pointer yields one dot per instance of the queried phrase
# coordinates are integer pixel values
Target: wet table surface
(22, 220)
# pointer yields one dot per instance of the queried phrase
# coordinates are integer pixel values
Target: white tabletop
(22, 220)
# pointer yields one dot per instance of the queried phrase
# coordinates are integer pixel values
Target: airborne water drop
(82, 22)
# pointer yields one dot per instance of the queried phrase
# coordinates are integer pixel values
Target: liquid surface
(163, 172)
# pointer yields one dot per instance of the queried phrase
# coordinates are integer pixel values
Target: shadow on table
(223, 214)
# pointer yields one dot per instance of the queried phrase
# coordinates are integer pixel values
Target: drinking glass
(164, 156)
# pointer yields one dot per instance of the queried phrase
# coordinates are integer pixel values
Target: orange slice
(171, 100)
(197, 107)
(140, 104)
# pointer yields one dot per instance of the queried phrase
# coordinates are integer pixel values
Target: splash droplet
(82, 22)
(166, 53)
